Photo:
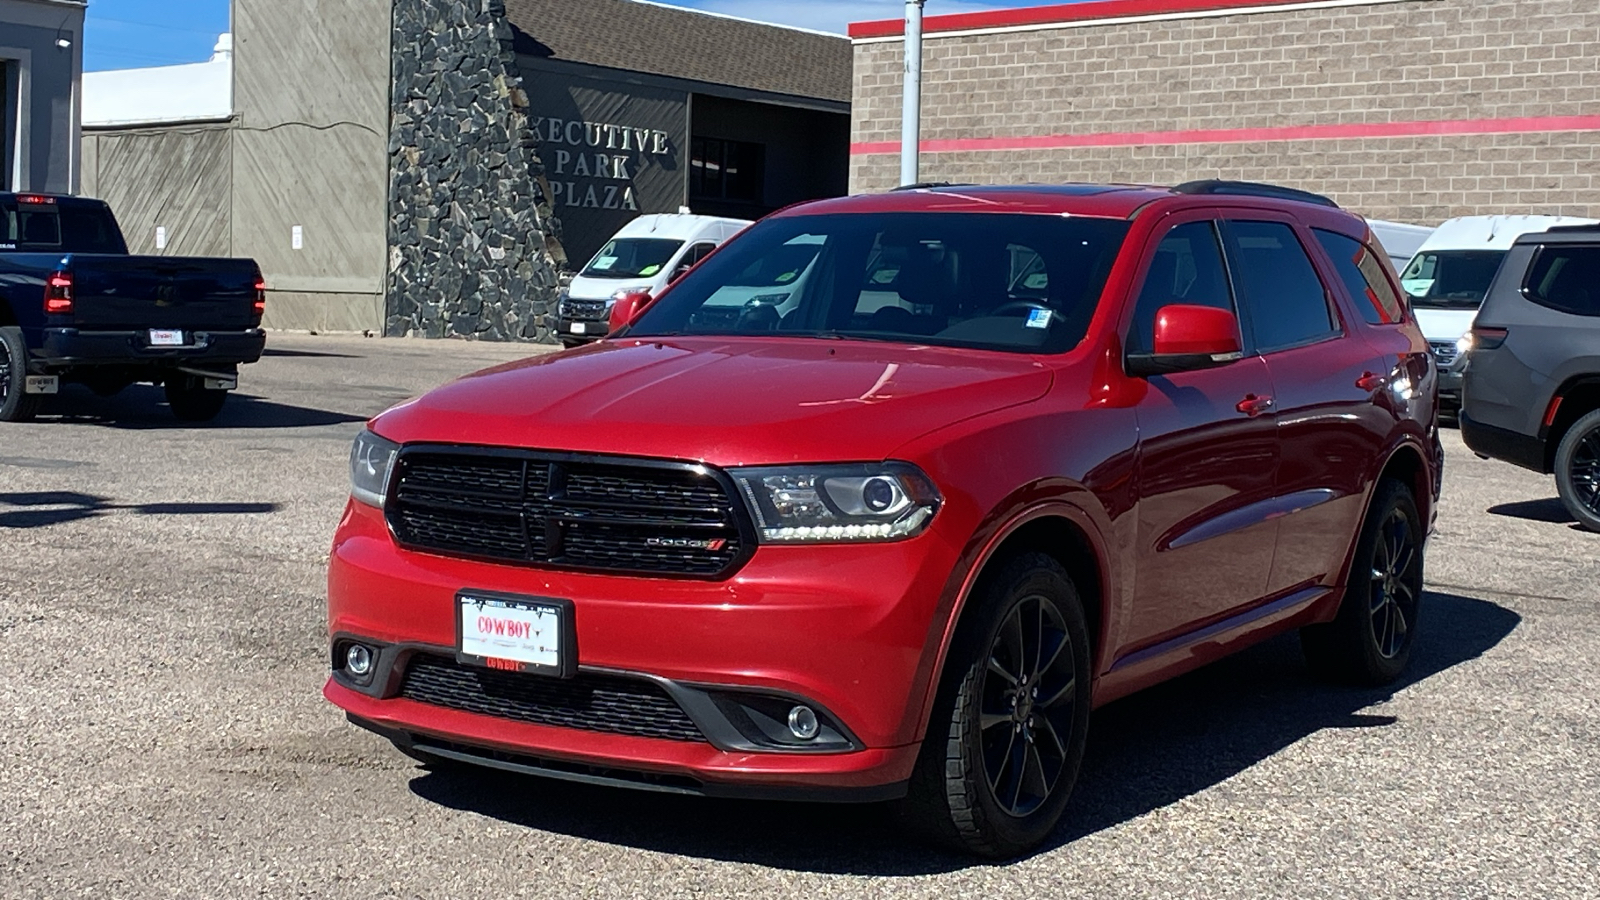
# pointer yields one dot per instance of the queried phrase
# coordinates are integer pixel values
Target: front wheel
(1370, 641)
(191, 400)
(16, 405)
(1578, 470)
(1011, 718)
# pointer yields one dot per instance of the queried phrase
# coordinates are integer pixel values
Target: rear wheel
(15, 404)
(1370, 641)
(1010, 721)
(1578, 470)
(191, 400)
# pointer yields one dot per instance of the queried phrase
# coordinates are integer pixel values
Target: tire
(1370, 641)
(15, 406)
(993, 778)
(191, 401)
(1578, 470)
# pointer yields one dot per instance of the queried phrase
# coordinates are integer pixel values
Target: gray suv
(1532, 390)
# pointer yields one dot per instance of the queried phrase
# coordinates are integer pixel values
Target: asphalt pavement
(162, 732)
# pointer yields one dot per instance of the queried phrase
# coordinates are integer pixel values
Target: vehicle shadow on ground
(40, 509)
(1550, 509)
(318, 354)
(1145, 753)
(143, 407)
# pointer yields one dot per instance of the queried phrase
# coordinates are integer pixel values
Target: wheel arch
(1061, 530)
(7, 317)
(1408, 465)
(1579, 396)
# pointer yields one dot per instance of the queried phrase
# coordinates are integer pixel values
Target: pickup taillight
(58, 294)
(261, 297)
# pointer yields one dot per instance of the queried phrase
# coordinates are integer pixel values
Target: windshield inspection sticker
(649, 270)
(1039, 318)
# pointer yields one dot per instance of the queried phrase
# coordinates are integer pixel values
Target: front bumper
(847, 628)
(66, 348)
(574, 329)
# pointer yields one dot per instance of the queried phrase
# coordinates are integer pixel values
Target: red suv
(887, 493)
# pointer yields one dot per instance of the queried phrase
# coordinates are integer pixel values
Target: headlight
(371, 461)
(839, 504)
(561, 302)
(1464, 343)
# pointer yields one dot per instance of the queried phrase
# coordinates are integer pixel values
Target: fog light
(803, 723)
(358, 661)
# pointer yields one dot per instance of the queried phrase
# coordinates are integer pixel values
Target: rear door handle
(1370, 381)
(1253, 405)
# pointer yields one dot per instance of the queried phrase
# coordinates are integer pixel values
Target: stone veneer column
(473, 246)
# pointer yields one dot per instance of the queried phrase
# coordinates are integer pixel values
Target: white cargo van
(1448, 277)
(1400, 241)
(647, 254)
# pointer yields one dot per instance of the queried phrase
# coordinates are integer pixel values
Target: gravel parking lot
(162, 731)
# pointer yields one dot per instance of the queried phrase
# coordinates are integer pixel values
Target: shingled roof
(681, 43)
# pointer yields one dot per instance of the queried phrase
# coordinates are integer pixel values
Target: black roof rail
(1565, 229)
(925, 185)
(1252, 189)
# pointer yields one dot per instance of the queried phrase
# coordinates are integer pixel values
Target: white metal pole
(911, 103)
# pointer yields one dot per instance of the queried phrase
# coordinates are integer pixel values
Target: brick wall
(1328, 99)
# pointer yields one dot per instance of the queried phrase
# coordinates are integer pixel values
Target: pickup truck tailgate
(137, 292)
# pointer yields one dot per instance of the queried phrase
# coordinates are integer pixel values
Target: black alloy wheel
(1028, 694)
(16, 405)
(1011, 716)
(1578, 470)
(1395, 588)
(1369, 642)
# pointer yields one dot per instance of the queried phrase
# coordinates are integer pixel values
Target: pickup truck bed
(75, 307)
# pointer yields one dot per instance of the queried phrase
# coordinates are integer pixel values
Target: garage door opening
(9, 101)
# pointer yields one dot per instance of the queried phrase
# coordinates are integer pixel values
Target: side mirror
(625, 309)
(679, 272)
(1187, 338)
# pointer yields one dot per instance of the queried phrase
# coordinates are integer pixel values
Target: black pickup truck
(75, 307)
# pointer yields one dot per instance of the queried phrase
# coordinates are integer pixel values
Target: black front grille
(547, 509)
(608, 703)
(589, 310)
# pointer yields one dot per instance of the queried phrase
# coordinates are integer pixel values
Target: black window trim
(1340, 328)
(1527, 289)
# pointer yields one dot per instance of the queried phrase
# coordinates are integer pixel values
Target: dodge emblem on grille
(713, 545)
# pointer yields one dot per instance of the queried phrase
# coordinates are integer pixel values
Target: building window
(726, 170)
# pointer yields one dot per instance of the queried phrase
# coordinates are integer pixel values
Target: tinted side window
(1363, 275)
(1279, 285)
(697, 253)
(1186, 268)
(1566, 279)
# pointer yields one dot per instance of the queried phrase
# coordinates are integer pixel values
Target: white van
(1448, 277)
(647, 254)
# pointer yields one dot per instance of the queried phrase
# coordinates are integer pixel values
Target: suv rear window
(1363, 276)
(1012, 281)
(1566, 279)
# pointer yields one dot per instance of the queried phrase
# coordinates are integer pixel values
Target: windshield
(1450, 279)
(632, 258)
(1020, 282)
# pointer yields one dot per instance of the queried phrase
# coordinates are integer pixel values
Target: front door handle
(1253, 405)
(1371, 381)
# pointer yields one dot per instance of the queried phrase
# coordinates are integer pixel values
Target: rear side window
(1566, 279)
(1280, 287)
(1363, 276)
(1186, 268)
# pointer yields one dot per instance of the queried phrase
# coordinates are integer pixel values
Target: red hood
(726, 402)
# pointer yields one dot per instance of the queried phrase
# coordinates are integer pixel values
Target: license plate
(516, 634)
(41, 384)
(578, 327)
(163, 338)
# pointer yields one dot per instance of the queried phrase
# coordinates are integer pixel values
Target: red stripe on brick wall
(1359, 130)
(1063, 12)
